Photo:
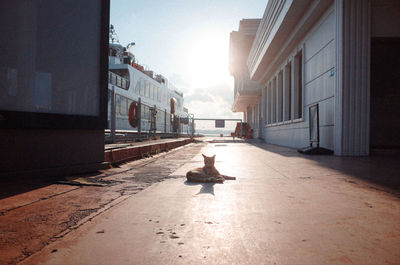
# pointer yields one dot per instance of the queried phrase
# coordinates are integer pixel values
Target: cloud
(214, 101)
(203, 97)
(223, 91)
(211, 102)
(179, 81)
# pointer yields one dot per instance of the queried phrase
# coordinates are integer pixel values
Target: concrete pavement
(284, 208)
(35, 212)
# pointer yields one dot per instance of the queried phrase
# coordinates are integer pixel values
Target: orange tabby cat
(208, 173)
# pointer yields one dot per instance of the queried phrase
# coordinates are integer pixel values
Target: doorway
(385, 93)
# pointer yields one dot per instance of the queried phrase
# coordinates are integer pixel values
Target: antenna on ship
(130, 45)
(112, 36)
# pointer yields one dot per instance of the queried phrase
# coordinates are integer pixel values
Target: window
(298, 86)
(256, 115)
(113, 79)
(137, 88)
(142, 111)
(124, 106)
(147, 89)
(142, 87)
(117, 104)
(283, 94)
(151, 92)
(287, 92)
(265, 105)
(110, 96)
(146, 114)
(270, 103)
(32, 77)
(280, 97)
(274, 100)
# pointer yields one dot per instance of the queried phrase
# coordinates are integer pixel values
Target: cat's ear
(213, 157)
(203, 155)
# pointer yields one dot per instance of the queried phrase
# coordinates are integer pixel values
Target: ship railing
(118, 81)
(153, 122)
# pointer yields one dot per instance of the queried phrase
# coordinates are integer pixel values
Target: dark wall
(385, 93)
(53, 86)
(39, 149)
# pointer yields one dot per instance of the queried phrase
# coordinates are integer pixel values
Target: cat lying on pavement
(208, 173)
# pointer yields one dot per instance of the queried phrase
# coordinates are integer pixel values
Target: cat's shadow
(206, 187)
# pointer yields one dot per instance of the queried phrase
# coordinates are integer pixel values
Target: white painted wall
(319, 55)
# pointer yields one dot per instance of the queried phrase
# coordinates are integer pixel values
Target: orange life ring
(172, 103)
(133, 114)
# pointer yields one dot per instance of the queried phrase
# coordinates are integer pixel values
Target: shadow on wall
(380, 170)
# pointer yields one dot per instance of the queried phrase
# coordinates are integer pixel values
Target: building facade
(247, 92)
(339, 55)
(53, 87)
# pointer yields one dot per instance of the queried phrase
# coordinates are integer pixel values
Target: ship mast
(112, 36)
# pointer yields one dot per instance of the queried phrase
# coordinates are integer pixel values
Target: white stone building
(340, 54)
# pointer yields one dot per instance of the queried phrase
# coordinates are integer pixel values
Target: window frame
(272, 92)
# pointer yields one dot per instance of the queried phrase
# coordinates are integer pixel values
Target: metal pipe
(140, 116)
(165, 121)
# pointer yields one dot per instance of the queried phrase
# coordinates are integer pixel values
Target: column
(353, 77)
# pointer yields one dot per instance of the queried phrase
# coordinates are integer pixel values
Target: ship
(139, 100)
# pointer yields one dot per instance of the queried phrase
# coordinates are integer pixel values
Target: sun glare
(207, 60)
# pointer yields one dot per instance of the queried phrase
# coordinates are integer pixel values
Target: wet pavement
(284, 208)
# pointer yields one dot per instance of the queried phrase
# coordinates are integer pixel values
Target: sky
(187, 41)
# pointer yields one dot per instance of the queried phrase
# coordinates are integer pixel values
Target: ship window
(113, 52)
(124, 106)
(137, 88)
(147, 88)
(123, 83)
(145, 112)
(110, 95)
(117, 104)
(142, 114)
(141, 87)
(113, 79)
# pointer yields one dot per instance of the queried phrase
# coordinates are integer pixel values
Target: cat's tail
(228, 177)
